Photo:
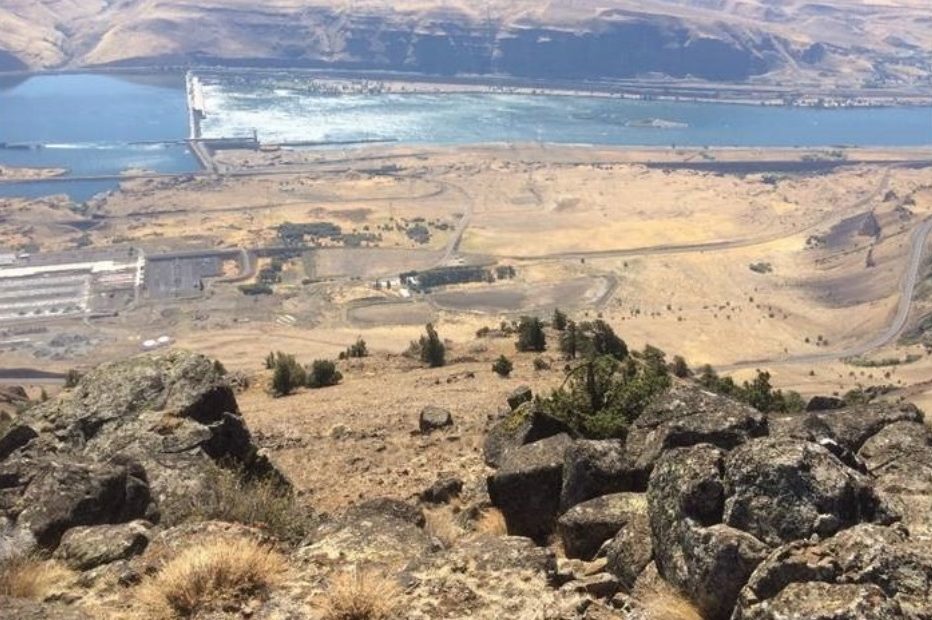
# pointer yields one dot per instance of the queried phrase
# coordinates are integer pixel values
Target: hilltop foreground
(149, 496)
(835, 43)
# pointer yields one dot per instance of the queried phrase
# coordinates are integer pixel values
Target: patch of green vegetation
(861, 362)
(758, 393)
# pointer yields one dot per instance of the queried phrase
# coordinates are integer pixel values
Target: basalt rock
(526, 424)
(527, 486)
(593, 468)
(782, 490)
(684, 416)
(519, 396)
(630, 552)
(84, 548)
(585, 527)
(852, 426)
(171, 412)
(867, 571)
(434, 419)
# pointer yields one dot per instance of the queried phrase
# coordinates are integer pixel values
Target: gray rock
(631, 550)
(51, 495)
(824, 403)
(685, 416)
(900, 459)
(442, 491)
(781, 490)
(524, 425)
(867, 571)
(15, 438)
(707, 561)
(434, 419)
(527, 486)
(585, 527)
(594, 468)
(852, 426)
(172, 412)
(84, 548)
(519, 396)
(24, 609)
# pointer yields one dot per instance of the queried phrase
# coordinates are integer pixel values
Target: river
(93, 124)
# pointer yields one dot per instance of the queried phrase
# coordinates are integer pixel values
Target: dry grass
(211, 574)
(442, 525)
(257, 503)
(32, 578)
(666, 604)
(358, 595)
(492, 522)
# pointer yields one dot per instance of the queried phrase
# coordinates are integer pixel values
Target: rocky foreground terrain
(140, 493)
(855, 43)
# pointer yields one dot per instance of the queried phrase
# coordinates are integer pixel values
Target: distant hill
(851, 43)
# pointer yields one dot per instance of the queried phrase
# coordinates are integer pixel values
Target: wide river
(103, 125)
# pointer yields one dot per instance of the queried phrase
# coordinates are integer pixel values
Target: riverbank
(12, 174)
(638, 89)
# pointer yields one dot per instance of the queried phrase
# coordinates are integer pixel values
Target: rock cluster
(823, 514)
(86, 474)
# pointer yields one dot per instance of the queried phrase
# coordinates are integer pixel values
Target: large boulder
(46, 496)
(526, 424)
(781, 490)
(527, 486)
(172, 412)
(867, 571)
(16, 437)
(852, 426)
(593, 468)
(686, 415)
(519, 396)
(899, 457)
(707, 561)
(585, 527)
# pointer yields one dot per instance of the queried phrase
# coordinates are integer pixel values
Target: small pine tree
(502, 366)
(569, 341)
(432, 350)
(559, 320)
(287, 375)
(531, 335)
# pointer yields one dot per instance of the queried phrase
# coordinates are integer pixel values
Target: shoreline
(644, 89)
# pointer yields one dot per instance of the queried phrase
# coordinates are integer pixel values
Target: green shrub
(287, 375)
(559, 320)
(531, 335)
(356, 350)
(430, 348)
(323, 373)
(502, 366)
(541, 364)
(602, 396)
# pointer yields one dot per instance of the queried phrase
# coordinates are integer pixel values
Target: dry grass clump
(442, 525)
(32, 578)
(667, 604)
(356, 595)
(262, 503)
(492, 522)
(210, 575)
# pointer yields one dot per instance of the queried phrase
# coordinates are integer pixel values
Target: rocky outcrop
(685, 416)
(519, 396)
(527, 486)
(781, 490)
(630, 552)
(715, 516)
(170, 412)
(133, 439)
(852, 426)
(867, 571)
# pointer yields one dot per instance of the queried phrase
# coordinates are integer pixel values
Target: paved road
(908, 283)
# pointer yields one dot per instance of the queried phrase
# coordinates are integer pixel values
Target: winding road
(910, 278)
